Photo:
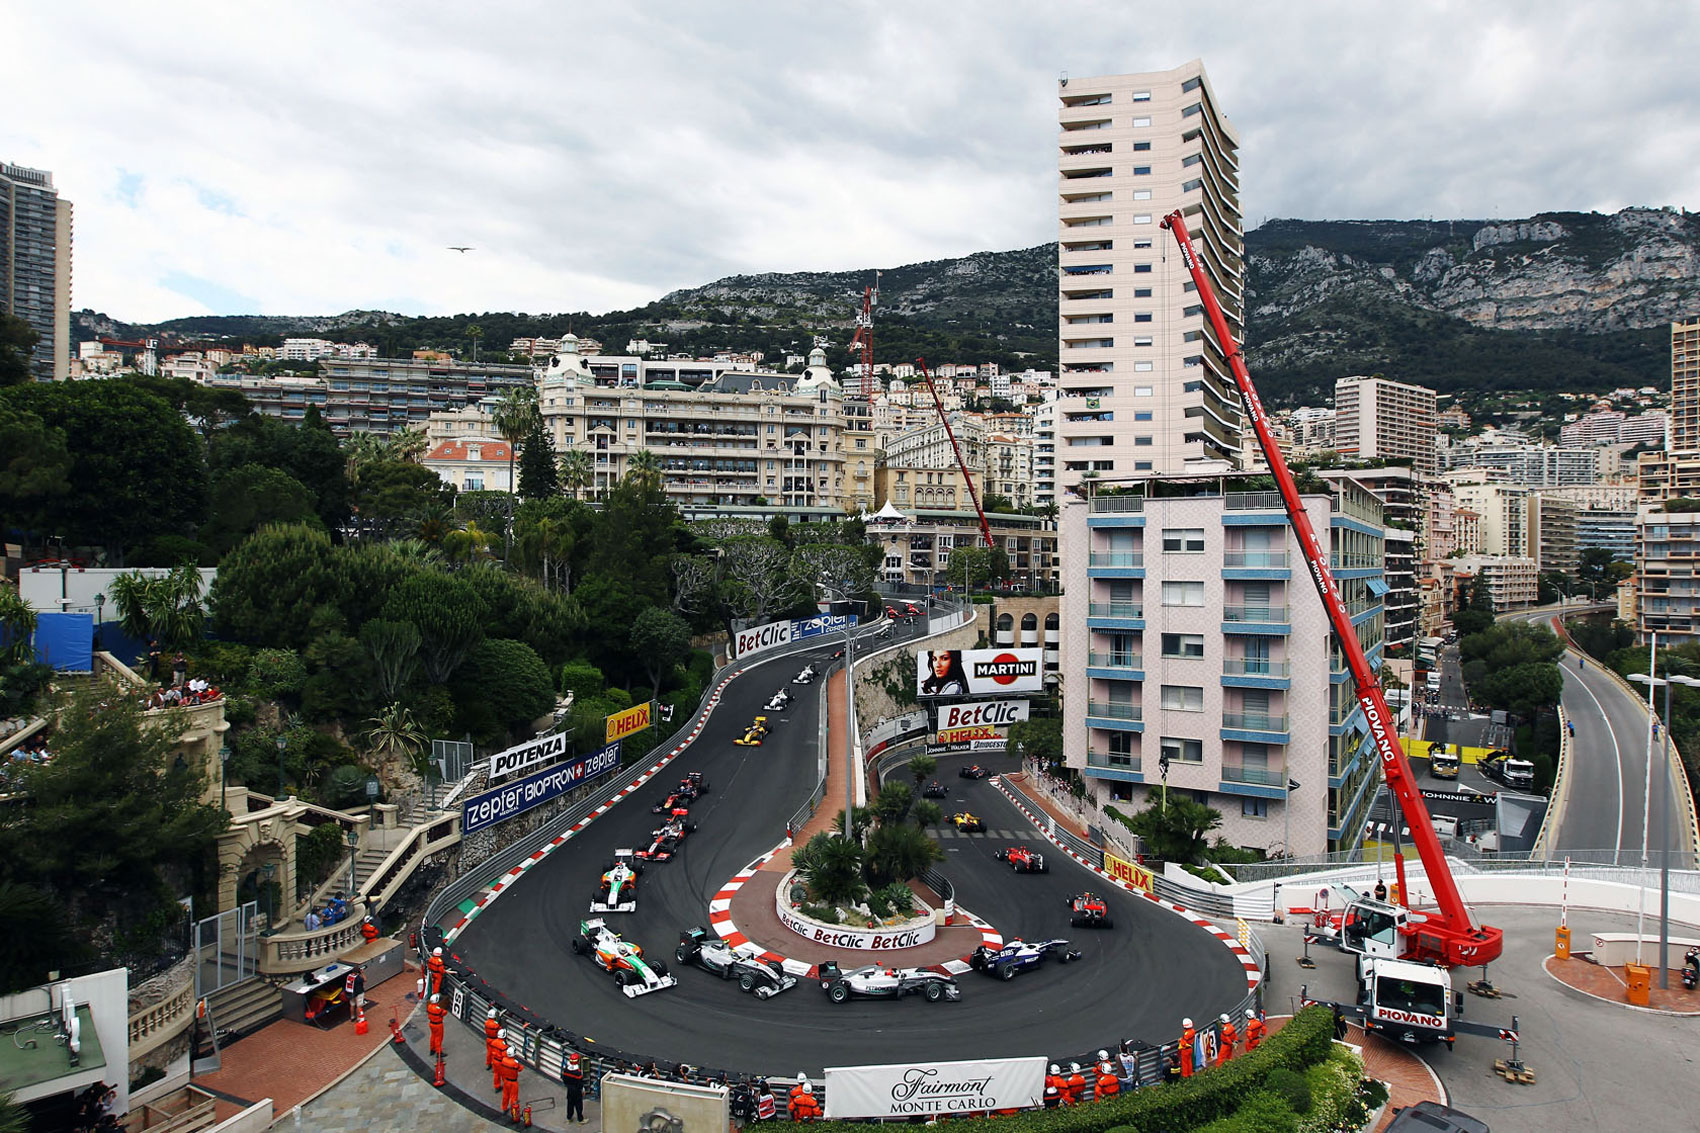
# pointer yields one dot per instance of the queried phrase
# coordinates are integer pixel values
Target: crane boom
(962, 465)
(1448, 935)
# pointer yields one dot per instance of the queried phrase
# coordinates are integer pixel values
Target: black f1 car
(876, 982)
(934, 790)
(711, 954)
(1018, 956)
(1021, 859)
(972, 771)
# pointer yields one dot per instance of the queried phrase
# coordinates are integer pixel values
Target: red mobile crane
(863, 339)
(944, 419)
(1447, 935)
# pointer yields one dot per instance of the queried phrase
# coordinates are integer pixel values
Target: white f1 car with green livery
(621, 959)
(618, 891)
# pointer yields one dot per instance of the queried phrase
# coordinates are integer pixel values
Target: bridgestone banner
(521, 795)
(528, 754)
(978, 672)
(913, 1089)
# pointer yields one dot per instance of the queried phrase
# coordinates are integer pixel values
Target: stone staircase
(244, 1008)
(366, 863)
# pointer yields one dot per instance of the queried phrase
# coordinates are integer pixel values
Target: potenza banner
(908, 1089)
(977, 672)
(528, 754)
(632, 720)
(521, 795)
(759, 639)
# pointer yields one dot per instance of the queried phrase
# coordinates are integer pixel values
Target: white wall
(53, 590)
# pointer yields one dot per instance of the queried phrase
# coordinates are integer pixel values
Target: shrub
(1336, 1089)
(1292, 1088)
(899, 897)
(877, 906)
(224, 663)
(582, 679)
(1263, 1112)
(276, 672)
(345, 786)
(317, 853)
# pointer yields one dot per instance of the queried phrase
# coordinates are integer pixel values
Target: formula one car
(891, 612)
(621, 959)
(807, 676)
(618, 891)
(711, 954)
(1022, 860)
(778, 702)
(1088, 911)
(675, 799)
(876, 982)
(911, 610)
(1018, 956)
(753, 734)
(974, 771)
(934, 790)
(666, 839)
(968, 823)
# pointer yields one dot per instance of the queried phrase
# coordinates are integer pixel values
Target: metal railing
(1109, 711)
(1254, 667)
(1253, 501)
(1114, 761)
(1254, 721)
(1262, 776)
(1272, 614)
(1114, 610)
(1245, 559)
(1115, 660)
(1117, 504)
(1116, 559)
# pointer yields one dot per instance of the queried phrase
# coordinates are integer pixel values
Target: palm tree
(576, 471)
(475, 333)
(395, 734)
(167, 607)
(645, 467)
(514, 416)
(467, 543)
(406, 444)
(17, 626)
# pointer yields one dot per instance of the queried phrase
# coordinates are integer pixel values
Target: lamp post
(223, 762)
(1664, 819)
(1287, 818)
(353, 845)
(849, 708)
(282, 743)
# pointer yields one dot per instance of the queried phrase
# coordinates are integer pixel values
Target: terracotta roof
(488, 451)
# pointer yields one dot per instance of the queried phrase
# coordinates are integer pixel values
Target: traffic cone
(360, 1026)
(439, 1079)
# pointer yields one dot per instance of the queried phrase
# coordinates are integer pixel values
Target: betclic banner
(978, 672)
(934, 1089)
(521, 795)
(759, 639)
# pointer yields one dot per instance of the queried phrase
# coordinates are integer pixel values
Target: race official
(510, 1085)
(1187, 1037)
(492, 1028)
(1076, 1084)
(1107, 1084)
(805, 1107)
(1225, 1044)
(572, 1077)
(368, 930)
(1253, 1030)
(434, 1015)
(498, 1052)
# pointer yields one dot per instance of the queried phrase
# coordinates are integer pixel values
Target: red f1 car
(1022, 860)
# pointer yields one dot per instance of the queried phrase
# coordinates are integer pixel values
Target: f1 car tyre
(838, 993)
(622, 977)
(935, 992)
(1007, 972)
(659, 967)
(746, 982)
(680, 955)
(579, 945)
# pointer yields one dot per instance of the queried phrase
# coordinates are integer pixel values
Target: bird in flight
(461, 248)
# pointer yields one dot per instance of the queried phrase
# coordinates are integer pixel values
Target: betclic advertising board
(759, 639)
(978, 672)
(934, 1089)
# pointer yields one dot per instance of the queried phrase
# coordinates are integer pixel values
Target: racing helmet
(1186, 1022)
(808, 1087)
(436, 999)
(502, 1034)
(1225, 1018)
(1074, 1068)
(1103, 1056)
(492, 1013)
(1054, 1069)
(1250, 1014)
(802, 1078)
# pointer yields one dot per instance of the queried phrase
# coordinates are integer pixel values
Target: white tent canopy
(889, 512)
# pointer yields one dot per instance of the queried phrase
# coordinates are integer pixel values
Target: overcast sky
(309, 158)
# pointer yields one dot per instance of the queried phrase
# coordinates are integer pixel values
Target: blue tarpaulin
(65, 641)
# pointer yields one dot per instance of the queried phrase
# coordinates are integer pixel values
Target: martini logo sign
(978, 672)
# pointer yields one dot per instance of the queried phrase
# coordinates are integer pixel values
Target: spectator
(179, 670)
(314, 923)
(153, 659)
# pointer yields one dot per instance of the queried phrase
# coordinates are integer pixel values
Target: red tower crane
(1447, 935)
(961, 464)
(863, 339)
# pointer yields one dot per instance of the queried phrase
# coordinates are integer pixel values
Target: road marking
(1617, 758)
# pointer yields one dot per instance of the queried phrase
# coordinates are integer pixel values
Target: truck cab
(1442, 762)
(1405, 1001)
(1518, 774)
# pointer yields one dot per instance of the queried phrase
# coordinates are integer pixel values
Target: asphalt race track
(1137, 980)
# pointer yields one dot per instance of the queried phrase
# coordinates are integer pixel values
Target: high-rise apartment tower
(1685, 386)
(1378, 419)
(35, 264)
(1145, 388)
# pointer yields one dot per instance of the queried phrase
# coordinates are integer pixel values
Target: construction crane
(1448, 935)
(961, 464)
(863, 339)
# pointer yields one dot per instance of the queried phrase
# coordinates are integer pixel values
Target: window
(1142, 316)
(1183, 539)
(1142, 194)
(1142, 415)
(1191, 85)
(1140, 147)
(1142, 293)
(1189, 186)
(1185, 645)
(1142, 340)
(1144, 367)
(1183, 698)
(1142, 218)
(1139, 269)
(1195, 108)
(1142, 243)
(1142, 466)
(1254, 808)
(1142, 171)
(1183, 751)
(1142, 391)
(1142, 96)
(1192, 159)
(1183, 593)
(1139, 123)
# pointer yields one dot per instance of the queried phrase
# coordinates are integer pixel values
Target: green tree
(660, 639)
(17, 626)
(832, 869)
(17, 347)
(921, 767)
(309, 453)
(250, 496)
(394, 734)
(393, 648)
(576, 470)
(393, 497)
(475, 333)
(927, 813)
(137, 468)
(501, 688)
(898, 851)
(514, 416)
(167, 607)
(467, 544)
(1522, 690)
(973, 567)
(114, 826)
(35, 465)
(644, 467)
(893, 803)
(449, 616)
(1039, 738)
(1178, 831)
(538, 479)
(273, 584)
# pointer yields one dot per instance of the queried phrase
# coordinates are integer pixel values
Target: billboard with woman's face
(975, 672)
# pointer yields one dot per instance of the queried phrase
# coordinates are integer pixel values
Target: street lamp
(282, 743)
(1664, 819)
(223, 762)
(1287, 817)
(849, 707)
(353, 845)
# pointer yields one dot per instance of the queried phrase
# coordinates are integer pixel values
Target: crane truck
(1403, 955)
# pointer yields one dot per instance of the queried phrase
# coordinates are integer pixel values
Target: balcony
(1117, 717)
(1116, 665)
(1255, 782)
(1109, 765)
(1102, 505)
(1253, 501)
(1254, 667)
(1255, 727)
(1256, 619)
(1117, 559)
(1115, 615)
(1252, 560)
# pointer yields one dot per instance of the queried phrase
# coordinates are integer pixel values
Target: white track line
(1617, 758)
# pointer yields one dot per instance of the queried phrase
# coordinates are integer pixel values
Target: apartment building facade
(377, 395)
(1685, 386)
(1511, 580)
(1380, 419)
(35, 265)
(1145, 388)
(918, 548)
(1205, 642)
(1502, 511)
(1667, 581)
